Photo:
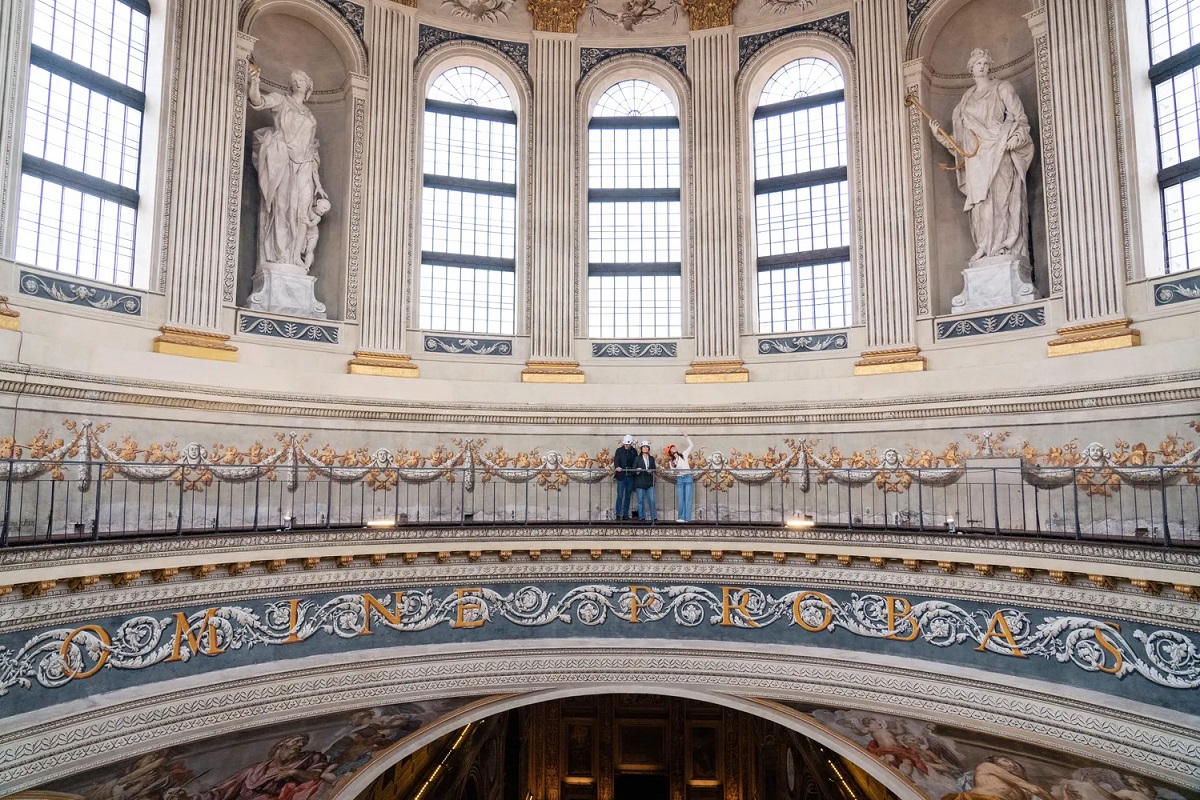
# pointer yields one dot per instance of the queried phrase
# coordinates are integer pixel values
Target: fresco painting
(954, 764)
(301, 760)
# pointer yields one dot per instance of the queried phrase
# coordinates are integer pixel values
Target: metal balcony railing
(80, 501)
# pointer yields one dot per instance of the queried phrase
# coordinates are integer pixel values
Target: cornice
(84, 738)
(54, 383)
(138, 587)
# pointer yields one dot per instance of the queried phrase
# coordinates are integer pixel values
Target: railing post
(996, 500)
(1162, 484)
(329, 503)
(1075, 488)
(49, 515)
(179, 507)
(217, 515)
(96, 510)
(920, 503)
(257, 478)
(8, 505)
(849, 501)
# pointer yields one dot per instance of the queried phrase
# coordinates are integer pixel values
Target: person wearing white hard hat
(643, 481)
(624, 463)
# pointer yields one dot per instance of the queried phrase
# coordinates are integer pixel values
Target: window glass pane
(804, 298)
(634, 98)
(105, 36)
(1174, 27)
(62, 229)
(467, 300)
(803, 77)
(1181, 210)
(477, 149)
(634, 306)
(641, 226)
(68, 124)
(470, 86)
(468, 223)
(809, 218)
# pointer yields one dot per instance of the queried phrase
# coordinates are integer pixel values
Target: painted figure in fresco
(370, 732)
(1001, 778)
(286, 158)
(152, 777)
(990, 122)
(289, 773)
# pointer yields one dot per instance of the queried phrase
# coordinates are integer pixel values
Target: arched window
(801, 200)
(83, 132)
(1175, 74)
(469, 205)
(634, 262)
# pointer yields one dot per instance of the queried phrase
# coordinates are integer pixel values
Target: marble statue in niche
(993, 150)
(287, 159)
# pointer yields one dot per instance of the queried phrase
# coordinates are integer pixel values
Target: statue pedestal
(285, 289)
(995, 282)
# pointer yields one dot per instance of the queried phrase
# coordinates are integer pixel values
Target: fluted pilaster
(203, 88)
(712, 61)
(554, 64)
(388, 219)
(1085, 137)
(14, 30)
(890, 310)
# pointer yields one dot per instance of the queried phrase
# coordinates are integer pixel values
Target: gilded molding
(10, 320)
(552, 372)
(194, 344)
(886, 362)
(706, 14)
(556, 16)
(727, 371)
(390, 365)
(1094, 337)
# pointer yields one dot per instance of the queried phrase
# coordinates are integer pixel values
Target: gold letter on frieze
(827, 609)
(468, 600)
(901, 614)
(728, 606)
(635, 602)
(184, 630)
(102, 635)
(998, 627)
(370, 604)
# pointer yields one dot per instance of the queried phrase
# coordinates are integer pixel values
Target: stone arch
(321, 17)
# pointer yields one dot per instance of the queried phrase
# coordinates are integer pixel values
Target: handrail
(67, 500)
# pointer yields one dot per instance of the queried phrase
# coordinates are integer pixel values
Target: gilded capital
(556, 16)
(707, 14)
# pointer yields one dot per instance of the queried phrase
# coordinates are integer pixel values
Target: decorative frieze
(353, 13)
(429, 37)
(837, 26)
(283, 328)
(991, 323)
(818, 343)
(634, 349)
(592, 57)
(1177, 290)
(915, 9)
(468, 345)
(77, 293)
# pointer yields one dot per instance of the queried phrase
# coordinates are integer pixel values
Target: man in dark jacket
(624, 462)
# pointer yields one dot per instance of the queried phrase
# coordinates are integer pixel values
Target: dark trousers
(624, 495)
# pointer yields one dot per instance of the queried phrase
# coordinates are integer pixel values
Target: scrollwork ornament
(556, 16)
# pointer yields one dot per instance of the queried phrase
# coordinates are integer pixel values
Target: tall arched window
(634, 262)
(83, 132)
(1175, 74)
(801, 200)
(469, 205)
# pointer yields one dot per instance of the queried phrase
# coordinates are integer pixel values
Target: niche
(305, 35)
(953, 32)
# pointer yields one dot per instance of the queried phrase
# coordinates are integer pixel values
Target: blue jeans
(646, 496)
(624, 495)
(685, 490)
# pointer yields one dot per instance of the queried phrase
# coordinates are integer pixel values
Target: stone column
(554, 65)
(14, 59)
(1088, 203)
(880, 32)
(201, 119)
(712, 66)
(390, 184)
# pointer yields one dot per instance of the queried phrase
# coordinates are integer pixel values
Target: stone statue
(993, 150)
(292, 199)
